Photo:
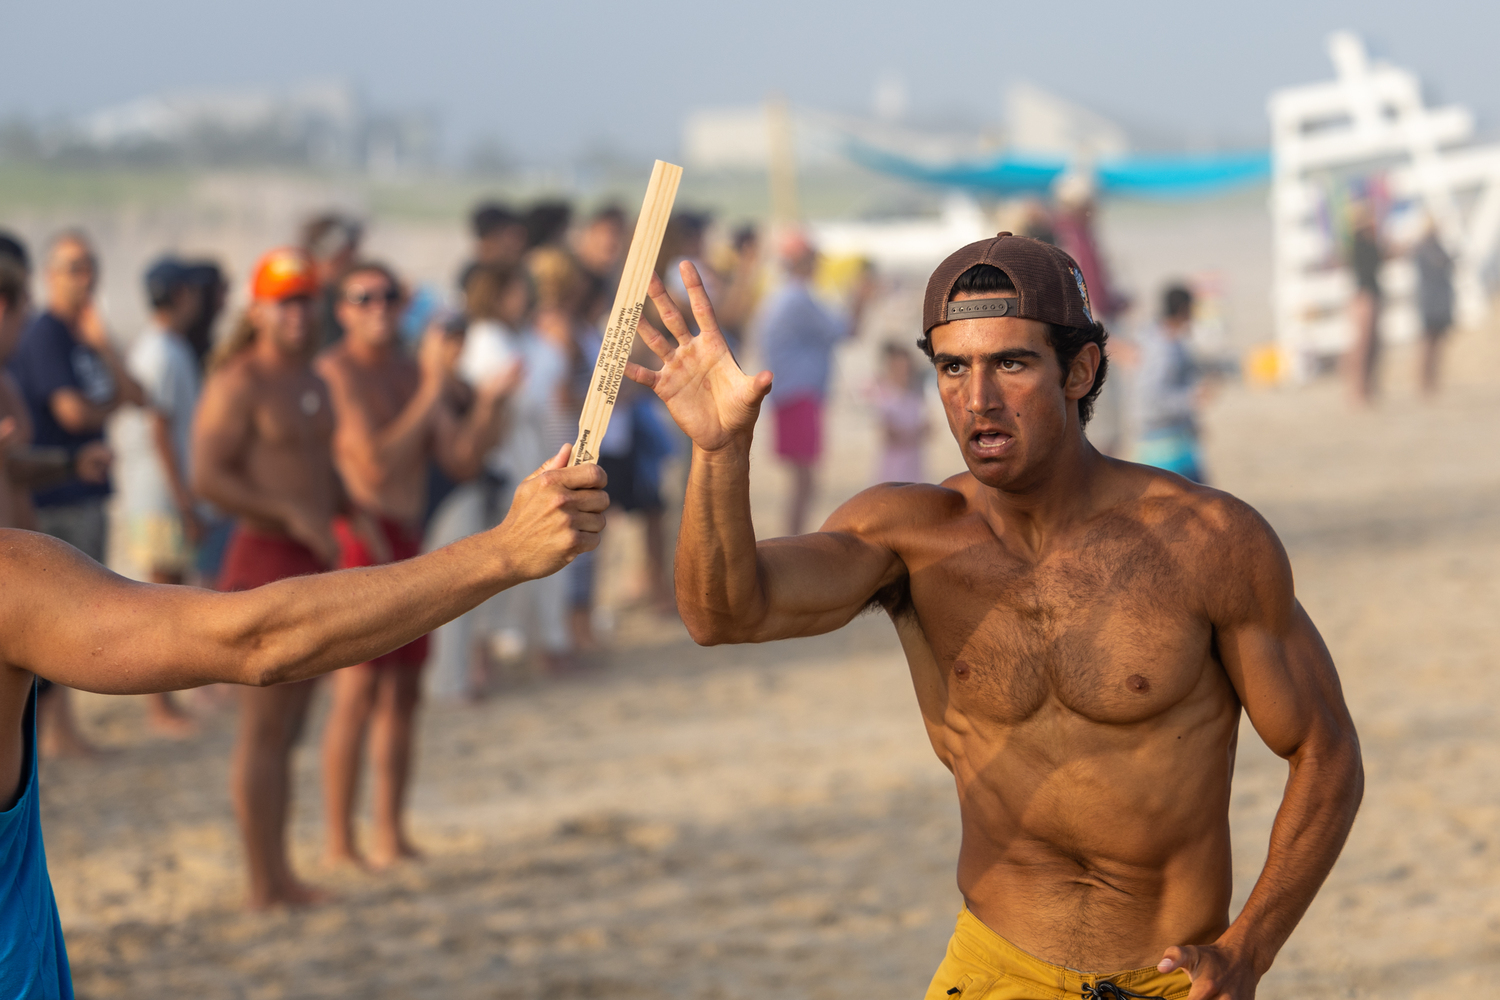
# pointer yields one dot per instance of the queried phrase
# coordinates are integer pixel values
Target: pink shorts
(799, 429)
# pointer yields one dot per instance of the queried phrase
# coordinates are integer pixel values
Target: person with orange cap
(261, 452)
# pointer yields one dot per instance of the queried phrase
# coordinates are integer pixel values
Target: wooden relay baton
(625, 317)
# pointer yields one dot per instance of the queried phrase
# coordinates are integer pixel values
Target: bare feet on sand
(385, 857)
(346, 859)
(293, 895)
(168, 719)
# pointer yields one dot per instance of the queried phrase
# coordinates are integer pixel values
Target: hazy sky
(548, 78)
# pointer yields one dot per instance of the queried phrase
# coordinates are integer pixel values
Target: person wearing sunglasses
(394, 415)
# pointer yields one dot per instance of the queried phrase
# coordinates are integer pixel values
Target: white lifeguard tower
(1370, 121)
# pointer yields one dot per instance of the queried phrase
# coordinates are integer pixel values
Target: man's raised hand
(557, 514)
(710, 398)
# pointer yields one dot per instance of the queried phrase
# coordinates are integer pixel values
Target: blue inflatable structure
(1184, 175)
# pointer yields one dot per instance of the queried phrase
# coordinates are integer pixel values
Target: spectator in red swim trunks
(262, 453)
(394, 414)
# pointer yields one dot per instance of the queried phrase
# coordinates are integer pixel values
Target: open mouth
(990, 444)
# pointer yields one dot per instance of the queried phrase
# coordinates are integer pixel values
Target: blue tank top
(33, 959)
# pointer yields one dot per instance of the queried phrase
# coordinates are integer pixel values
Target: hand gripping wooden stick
(625, 317)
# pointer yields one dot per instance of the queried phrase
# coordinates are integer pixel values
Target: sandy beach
(769, 822)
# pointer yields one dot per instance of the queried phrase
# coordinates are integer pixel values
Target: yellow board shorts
(982, 965)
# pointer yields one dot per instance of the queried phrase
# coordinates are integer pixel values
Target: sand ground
(768, 822)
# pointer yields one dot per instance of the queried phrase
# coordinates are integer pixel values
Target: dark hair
(326, 236)
(164, 280)
(612, 214)
(368, 267)
(1177, 302)
(546, 221)
(744, 236)
(489, 217)
(208, 280)
(11, 246)
(13, 277)
(1066, 341)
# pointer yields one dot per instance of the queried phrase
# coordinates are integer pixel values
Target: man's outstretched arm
(66, 618)
(1286, 680)
(729, 587)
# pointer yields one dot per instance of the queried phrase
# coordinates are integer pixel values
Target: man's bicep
(76, 623)
(1289, 686)
(1270, 649)
(822, 580)
(818, 582)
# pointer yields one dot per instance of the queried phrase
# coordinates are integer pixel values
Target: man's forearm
(718, 583)
(305, 626)
(1317, 810)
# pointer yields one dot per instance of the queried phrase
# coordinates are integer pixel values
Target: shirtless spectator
(72, 379)
(394, 415)
(262, 443)
(1084, 635)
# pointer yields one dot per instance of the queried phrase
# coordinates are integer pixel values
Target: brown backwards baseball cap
(1049, 284)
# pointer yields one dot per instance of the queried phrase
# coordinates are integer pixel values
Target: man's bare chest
(1111, 634)
(379, 391)
(294, 414)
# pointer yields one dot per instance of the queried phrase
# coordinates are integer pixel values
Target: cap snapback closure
(975, 308)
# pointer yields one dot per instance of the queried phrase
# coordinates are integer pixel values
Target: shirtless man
(393, 415)
(1082, 635)
(262, 453)
(64, 617)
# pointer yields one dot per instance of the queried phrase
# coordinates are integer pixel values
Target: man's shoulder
(234, 376)
(1204, 524)
(885, 512)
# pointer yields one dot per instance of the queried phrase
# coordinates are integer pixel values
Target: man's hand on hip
(556, 516)
(710, 398)
(1218, 973)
